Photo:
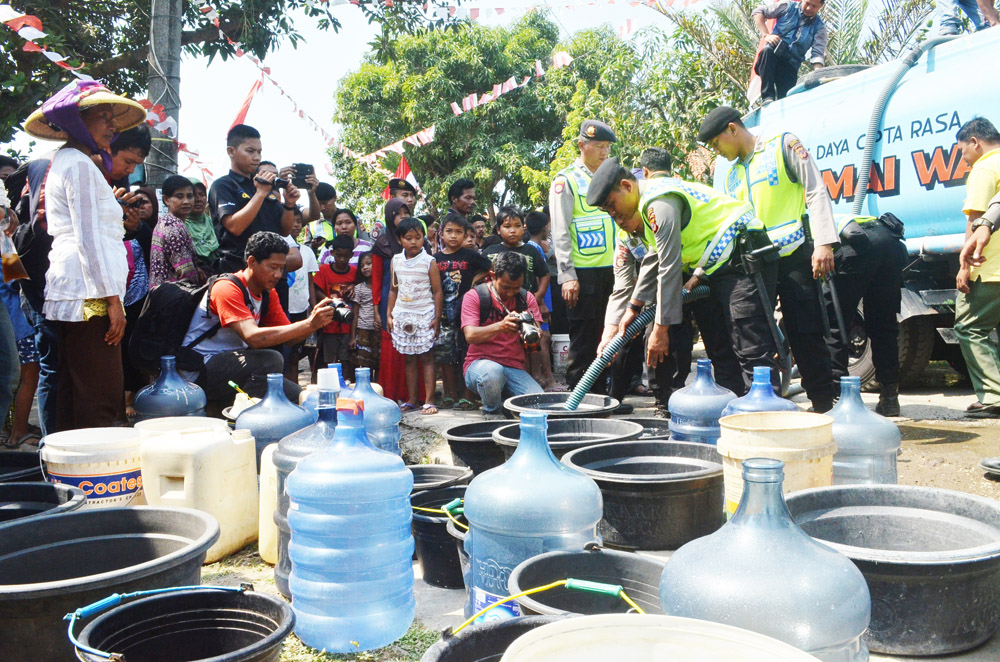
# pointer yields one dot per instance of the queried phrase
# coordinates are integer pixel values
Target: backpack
(164, 320)
(486, 303)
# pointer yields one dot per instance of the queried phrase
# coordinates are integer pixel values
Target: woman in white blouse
(88, 266)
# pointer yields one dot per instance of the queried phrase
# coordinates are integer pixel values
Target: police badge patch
(799, 149)
(559, 185)
(621, 256)
(652, 221)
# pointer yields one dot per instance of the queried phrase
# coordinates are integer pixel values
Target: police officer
(656, 162)
(583, 238)
(321, 231)
(690, 227)
(777, 176)
(870, 263)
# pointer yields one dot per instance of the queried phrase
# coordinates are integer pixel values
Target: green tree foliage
(110, 38)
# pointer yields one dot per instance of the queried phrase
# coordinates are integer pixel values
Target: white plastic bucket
(803, 441)
(103, 462)
(560, 353)
(637, 637)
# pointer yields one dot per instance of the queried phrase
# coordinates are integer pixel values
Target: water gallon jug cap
(350, 405)
(762, 373)
(327, 380)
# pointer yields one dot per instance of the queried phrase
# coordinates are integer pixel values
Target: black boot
(888, 400)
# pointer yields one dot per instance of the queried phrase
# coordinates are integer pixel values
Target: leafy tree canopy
(111, 39)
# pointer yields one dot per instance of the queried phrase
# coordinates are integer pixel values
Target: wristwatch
(982, 221)
(635, 307)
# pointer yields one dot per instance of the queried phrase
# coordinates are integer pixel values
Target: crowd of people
(280, 271)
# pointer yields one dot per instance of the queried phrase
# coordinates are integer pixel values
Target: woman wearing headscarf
(199, 226)
(392, 364)
(88, 264)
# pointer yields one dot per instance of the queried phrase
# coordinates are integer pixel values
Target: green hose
(616, 345)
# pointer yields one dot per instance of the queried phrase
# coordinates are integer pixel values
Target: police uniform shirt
(801, 168)
(561, 203)
(231, 193)
(659, 277)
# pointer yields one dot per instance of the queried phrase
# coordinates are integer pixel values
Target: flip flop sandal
(10, 443)
(447, 403)
(428, 409)
(407, 407)
(28, 439)
(464, 405)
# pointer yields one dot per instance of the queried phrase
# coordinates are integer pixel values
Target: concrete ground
(941, 448)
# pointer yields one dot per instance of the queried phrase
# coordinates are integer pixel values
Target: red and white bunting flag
(455, 108)
(241, 114)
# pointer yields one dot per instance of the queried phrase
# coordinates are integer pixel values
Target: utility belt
(754, 249)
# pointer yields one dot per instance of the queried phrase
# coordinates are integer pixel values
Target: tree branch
(135, 59)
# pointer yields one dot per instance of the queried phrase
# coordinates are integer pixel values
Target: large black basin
(638, 575)
(653, 429)
(199, 625)
(438, 476)
(591, 406)
(51, 566)
(484, 642)
(472, 445)
(20, 467)
(657, 494)
(931, 558)
(566, 434)
(20, 501)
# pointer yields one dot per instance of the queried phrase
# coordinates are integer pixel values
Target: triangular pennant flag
(455, 108)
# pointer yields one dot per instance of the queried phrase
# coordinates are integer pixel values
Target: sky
(212, 93)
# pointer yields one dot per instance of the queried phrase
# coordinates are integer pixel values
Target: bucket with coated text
(103, 462)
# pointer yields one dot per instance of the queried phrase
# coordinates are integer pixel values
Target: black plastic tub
(21, 501)
(472, 445)
(435, 548)
(436, 476)
(567, 434)
(457, 535)
(657, 494)
(221, 626)
(484, 642)
(931, 558)
(591, 406)
(653, 429)
(20, 467)
(638, 575)
(51, 566)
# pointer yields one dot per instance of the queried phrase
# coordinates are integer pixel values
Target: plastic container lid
(155, 426)
(647, 637)
(90, 441)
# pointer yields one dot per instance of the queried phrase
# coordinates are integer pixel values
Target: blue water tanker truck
(899, 121)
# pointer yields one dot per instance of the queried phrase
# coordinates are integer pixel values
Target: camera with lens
(277, 183)
(531, 336)
(341, 310)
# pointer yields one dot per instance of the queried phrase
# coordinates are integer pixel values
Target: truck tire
(916, 343)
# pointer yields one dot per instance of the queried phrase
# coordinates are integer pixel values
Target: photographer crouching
(498, 320)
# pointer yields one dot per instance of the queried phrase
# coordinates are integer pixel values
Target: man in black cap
(405, 191)
(690, 229)
(583, 237)
(776, 176)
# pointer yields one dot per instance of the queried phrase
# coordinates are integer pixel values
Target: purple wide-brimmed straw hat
(59, 117)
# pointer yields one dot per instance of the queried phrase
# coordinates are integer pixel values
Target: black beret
(325, 192)
(399, 184)
(597, 130)
(716, 122)
(604, 181)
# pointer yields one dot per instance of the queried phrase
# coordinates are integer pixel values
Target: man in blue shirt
(798, 28)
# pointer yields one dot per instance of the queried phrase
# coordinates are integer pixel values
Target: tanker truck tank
(916, 170)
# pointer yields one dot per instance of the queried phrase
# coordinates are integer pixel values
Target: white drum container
(210, 470)
(103, 462)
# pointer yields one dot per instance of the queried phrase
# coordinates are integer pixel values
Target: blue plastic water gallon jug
(527, 506)
(274, 417)
(351, 546)
(169, 395)
(695, 409)
(761, 396)
(382, 415)
(867, 443)
(761, 572)
(290, 450)
(340, 378)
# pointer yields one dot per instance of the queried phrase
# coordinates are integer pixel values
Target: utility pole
(164, 83)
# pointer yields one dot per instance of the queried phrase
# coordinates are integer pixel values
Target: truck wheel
(859, 362)
(916, 342)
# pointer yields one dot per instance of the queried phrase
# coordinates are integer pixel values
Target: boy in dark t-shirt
(510, 227)
(460, 268)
